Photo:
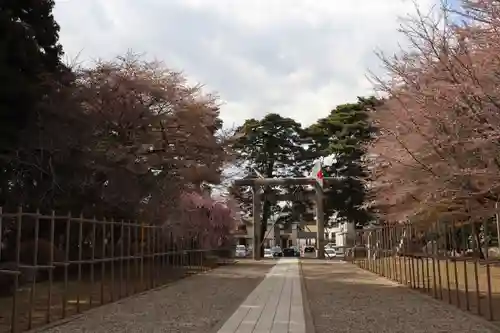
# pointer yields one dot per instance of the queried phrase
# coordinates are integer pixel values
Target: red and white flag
(317, 173)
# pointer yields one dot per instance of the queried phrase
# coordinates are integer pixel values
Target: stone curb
(310, 327)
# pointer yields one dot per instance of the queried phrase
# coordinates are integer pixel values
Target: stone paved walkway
(274, 306)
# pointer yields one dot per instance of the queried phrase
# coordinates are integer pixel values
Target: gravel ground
(198, 304)
(344, 298)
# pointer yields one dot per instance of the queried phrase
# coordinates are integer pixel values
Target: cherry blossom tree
(125, 139)
(437, 152)
(203, 219)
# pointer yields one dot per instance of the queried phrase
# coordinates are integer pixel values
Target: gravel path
(344, 298)
(198, 304)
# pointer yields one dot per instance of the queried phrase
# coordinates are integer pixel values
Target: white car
(268, 253)
(241, 251)
(330, 253)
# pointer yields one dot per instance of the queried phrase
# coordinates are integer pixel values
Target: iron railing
(55, 266)
(456, 263)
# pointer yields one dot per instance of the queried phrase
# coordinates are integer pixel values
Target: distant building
(341, 234)
(299, 233)
(243, 232)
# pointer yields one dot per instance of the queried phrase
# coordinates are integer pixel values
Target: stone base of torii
(258, 183)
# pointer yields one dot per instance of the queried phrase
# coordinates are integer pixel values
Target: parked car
(340, 250)
(330, 253)
(268, 253)
(241, 251)
(289, 252)
(297, 251)
(309, 252)
(277, 252)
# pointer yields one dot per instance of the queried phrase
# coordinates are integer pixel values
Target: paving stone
(274, 306)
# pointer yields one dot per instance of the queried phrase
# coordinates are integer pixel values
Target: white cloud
(299, 58)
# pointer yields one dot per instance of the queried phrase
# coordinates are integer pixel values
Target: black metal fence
(56, 266)
(456, 263)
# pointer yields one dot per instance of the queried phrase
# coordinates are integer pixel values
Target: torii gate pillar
(320, 222)
(256, 223)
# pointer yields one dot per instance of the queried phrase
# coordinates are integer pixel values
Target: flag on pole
(317, 173)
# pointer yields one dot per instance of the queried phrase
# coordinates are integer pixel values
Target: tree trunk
(477, 240)
(266, 213)
(266, 209)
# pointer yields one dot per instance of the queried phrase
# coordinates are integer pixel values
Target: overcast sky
(298, 58)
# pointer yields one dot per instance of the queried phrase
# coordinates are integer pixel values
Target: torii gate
(257, 183)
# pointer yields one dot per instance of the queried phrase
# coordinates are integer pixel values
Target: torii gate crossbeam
(257, 183)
